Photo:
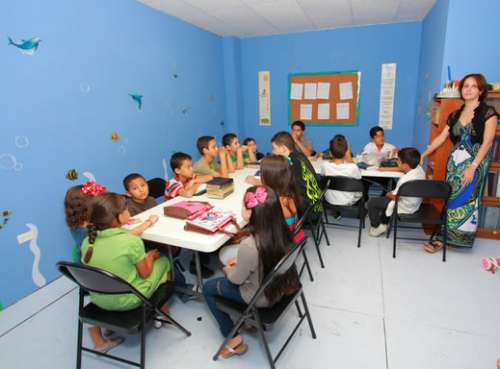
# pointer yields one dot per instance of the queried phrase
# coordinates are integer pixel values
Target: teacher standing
(472, 131)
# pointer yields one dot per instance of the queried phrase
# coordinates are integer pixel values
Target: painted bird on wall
(138, 99)
(27, 47)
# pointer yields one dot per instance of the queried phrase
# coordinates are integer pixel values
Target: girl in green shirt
(114, 249)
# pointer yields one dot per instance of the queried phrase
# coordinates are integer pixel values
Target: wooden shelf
(494, 167)
(491, 201)
(493, 234)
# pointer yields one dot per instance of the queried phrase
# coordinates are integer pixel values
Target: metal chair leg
(80, 331)
(298, 309)
(262, 336)
(395, 236)
(306, 266)
(175, 323)
(316, 244)
(359, 231)
(445, 240)
(143, 338)
(308, 315)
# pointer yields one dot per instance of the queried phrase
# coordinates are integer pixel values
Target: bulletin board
(330, 98)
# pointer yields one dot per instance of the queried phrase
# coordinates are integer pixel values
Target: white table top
(371, 172)
(170, 231)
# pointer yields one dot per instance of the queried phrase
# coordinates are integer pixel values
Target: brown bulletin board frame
(334, 78)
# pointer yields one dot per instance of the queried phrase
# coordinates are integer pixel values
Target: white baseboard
(25, 308)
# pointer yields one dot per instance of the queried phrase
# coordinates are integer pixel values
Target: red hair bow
(252, 199)
(92, 188)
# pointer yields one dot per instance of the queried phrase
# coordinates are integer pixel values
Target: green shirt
(234, 158)
(117, 251)
(203, 168)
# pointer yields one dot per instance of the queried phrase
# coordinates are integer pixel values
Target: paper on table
(306, 111)
(342, 110)
(296, 91)
(324, 90)
(345, 90)
(310, 91)
(324, 111)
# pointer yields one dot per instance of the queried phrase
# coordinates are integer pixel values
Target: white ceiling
(246, 18)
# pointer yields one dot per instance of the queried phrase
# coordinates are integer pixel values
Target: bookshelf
(489, 216)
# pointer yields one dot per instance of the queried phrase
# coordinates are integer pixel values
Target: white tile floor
(370, 311)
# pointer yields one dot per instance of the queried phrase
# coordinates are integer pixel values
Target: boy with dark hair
(304, 174)
(252, 147)
(303, 143)
(378, 146)
(238, 154)
(137, 192)
(184, 183)
(208, 165)
(341, 165)
(380, 209)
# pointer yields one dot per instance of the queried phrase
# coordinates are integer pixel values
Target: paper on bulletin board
(323, 90)
(306, 111)
(387, 87)
(345, 91)
(265, 98)
(296, 91)
(343, 110)
(310, 91)
(324, 111)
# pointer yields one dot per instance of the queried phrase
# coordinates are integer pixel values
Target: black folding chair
(427, 214)
(314, 222)
(130, 322)
(299, 227)
(156, 187)
(264, 318)
(356, 211)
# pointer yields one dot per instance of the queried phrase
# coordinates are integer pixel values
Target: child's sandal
(109, 344)
(433, 246)
(238, 350)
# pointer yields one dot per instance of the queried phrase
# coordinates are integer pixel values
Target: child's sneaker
(377, 231)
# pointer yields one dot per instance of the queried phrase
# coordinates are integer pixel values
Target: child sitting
(380, 209)
(343, 166)
(207, 165)
(275, 173)
(263, 244)
(238, 154)
(184, 183)
(138, 200)
(114, 249)
(251, 144)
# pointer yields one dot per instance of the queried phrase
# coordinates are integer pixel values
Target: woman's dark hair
(273, 239)
(275, 172)
(76, 207)
(375, 130)
(338, 146)
(103, 212)
(228, 139)
(482, 85)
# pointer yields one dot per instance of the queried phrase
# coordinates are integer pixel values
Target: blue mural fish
(27, 47)
(138, 99)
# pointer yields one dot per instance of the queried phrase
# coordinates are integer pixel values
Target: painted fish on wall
(27, 47)
(72, 175)
(138, 99)
(5, 218)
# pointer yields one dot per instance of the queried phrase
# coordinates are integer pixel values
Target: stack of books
(219, 188)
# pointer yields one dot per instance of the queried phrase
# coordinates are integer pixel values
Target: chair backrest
(156, 187)
(426, 189)
(96, 280)
(346, 184)
(283, 266)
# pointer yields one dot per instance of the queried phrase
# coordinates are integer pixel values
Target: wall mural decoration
(6, 214)
(90, 176)
(165, 168)
(31, 236)
(138, 100)
(9, 162)
(72, 175)
(115, 136)
(22, 142)
(26, 47)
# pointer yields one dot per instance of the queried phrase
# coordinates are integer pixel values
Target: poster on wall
(265, 98)
(387, 87)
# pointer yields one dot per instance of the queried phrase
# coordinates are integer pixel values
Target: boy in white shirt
(380, 209)
(378, 146)
(341, 165)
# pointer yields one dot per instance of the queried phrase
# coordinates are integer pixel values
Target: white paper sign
(296, 91)
(387, 87)
(345, 89)
(324, 90)
(342, 110)
(324, 111)
(265, 98)
(306, 111)
(310, 91)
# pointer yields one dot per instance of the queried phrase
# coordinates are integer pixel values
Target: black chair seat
(268, 315)
(156, 187)
(427, 214)
(351, 211)
(126, 321)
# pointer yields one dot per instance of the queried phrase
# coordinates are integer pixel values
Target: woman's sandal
(110, 344)
(238, 350)
(490, 264)
(433, 246)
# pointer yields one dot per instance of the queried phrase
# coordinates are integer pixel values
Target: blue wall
(430, 69)
(362, 48)
(72, 94)
(472, 39)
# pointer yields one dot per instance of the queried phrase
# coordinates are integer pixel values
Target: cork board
(330, 98)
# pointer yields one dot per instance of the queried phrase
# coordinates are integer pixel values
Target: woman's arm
(438, 141)
(488, 138)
